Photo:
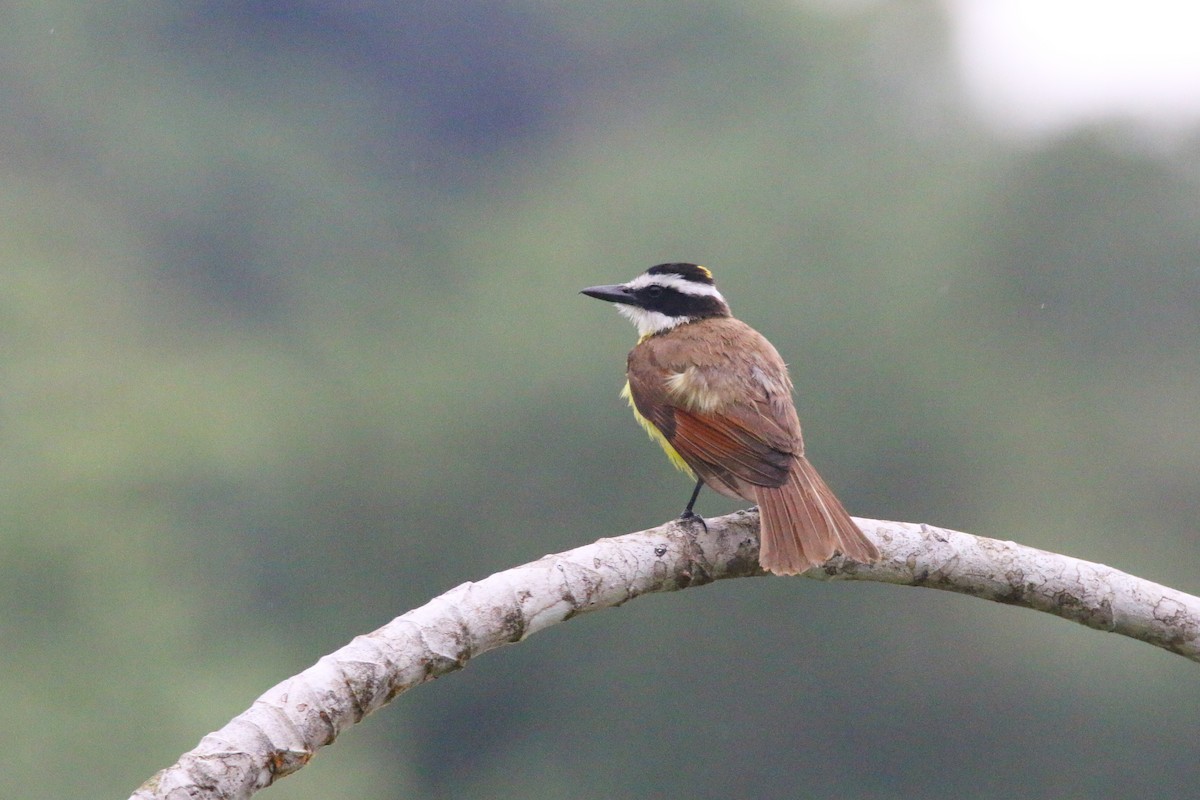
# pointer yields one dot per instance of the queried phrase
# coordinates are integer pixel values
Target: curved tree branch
(285, 727)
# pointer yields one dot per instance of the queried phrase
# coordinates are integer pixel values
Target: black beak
(616, 293)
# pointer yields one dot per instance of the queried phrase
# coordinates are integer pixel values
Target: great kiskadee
(716, 395)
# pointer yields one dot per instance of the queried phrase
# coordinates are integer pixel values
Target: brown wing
(723, 446)
(726, 409)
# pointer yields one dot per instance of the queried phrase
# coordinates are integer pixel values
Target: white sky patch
(1039, 66)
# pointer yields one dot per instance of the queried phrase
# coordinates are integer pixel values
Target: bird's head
(665, 296)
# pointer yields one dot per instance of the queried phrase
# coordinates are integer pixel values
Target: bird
(716, 395)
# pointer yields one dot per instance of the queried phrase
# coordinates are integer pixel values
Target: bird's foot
(690, 516)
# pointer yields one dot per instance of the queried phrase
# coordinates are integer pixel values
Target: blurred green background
(292, 342)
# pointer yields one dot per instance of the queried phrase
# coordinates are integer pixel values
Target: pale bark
(285, 727)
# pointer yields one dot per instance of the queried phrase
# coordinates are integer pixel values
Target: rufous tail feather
(803, 524)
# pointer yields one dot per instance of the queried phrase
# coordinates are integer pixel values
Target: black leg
(688, 514)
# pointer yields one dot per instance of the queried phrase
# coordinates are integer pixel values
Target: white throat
(649, 323)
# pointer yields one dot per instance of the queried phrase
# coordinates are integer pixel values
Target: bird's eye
(654, 292)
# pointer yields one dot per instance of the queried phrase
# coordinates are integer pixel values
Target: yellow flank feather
(656, 435)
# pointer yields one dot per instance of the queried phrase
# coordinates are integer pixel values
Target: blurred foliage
(292, 343)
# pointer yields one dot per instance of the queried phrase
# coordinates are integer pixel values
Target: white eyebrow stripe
(681, 285)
